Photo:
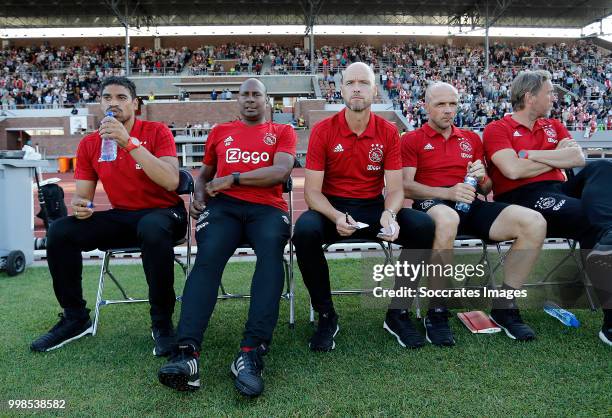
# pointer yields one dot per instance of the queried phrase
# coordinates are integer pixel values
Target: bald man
(351, 157)
(238, 198)
(436, 158)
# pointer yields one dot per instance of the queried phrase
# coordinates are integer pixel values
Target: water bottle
(462, 206)
(108, 152)
(566, 317)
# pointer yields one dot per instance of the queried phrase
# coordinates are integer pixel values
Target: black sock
(503, 302)
(76, 313)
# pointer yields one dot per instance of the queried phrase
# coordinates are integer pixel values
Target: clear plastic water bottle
(565, 316)
(108, 151)
(462, 206)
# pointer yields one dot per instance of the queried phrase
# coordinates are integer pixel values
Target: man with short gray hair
(527, 153)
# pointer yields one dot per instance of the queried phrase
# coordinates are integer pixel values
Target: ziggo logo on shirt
(236, 155)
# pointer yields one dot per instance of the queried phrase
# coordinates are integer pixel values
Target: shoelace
(250, 361)
(183, 353)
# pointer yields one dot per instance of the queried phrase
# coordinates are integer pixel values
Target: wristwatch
(236, 176)
(393, 214)
(132, 144)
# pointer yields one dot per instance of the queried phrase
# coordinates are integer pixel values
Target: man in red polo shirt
(146, 213)
(527, 153)
(351, 157)
(238, 198)
(436, 159)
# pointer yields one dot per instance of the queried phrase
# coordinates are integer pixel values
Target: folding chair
(470, 241)
(288, 264)
(573, 254)
(185, 187)
(385, 246)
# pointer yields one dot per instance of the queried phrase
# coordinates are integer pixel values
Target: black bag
(54, 204)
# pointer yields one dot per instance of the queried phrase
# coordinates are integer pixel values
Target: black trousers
(153, 230)
(313, 230)
(225, 224)
(580, 208)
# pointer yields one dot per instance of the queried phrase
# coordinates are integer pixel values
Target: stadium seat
(185, 187)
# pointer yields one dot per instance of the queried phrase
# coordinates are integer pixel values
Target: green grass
(564, 372)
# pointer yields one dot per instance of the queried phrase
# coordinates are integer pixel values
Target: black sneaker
(511, 322)
(66, 330)
(182, 371)
(437, 330)
(605, 334)
(164, 338)
(602, 251)
(247, 369)
(398, 323)
(327, 329)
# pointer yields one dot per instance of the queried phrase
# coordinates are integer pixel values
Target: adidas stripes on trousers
(225, 224)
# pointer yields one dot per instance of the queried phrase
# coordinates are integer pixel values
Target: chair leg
(100, 290)
(291, 287)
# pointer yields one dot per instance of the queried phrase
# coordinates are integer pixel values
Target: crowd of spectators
(45, 76)
(48, 76)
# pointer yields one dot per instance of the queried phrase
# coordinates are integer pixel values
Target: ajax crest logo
(465, 146)
(376, 153)
(269, 139)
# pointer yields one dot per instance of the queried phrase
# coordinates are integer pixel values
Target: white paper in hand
(387, 232)
(359, 225)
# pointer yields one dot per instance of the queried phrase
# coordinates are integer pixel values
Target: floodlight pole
(487, 41)
(127, 41)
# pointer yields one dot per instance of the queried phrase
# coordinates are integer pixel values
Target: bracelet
(236, 176)
(523, 154)
(393, 214)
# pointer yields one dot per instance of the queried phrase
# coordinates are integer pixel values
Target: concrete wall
(288, 85)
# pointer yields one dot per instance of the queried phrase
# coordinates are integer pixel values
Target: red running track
(101, 200)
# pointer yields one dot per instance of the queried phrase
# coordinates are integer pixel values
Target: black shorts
(566, 215)
(477, 221)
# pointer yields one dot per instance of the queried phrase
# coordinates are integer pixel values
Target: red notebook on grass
(478, 322)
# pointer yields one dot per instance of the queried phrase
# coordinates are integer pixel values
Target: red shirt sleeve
(84, 169)
(287, 141)
(393, 155)
(315, 156)
(409, 150)
(210, 151)
(164, 142)
(495, 138)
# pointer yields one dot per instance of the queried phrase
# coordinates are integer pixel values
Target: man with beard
(351, 157)
(238, 198)
(146, 213)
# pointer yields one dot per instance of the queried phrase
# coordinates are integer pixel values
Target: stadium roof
(465, 13)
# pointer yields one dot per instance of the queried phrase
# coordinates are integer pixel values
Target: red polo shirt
(440, 162)
(237, 147)
(353, 165)
(507, 133)
(125, 182)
